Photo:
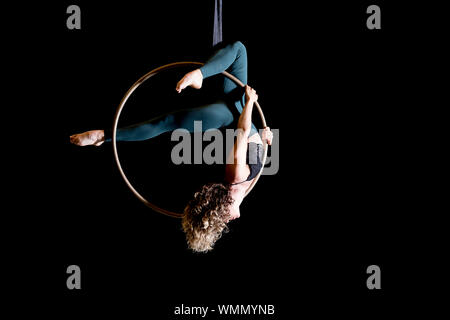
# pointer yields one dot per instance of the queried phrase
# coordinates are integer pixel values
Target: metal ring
(116, 121)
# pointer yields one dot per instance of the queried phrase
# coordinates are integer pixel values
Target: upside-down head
(206, 216)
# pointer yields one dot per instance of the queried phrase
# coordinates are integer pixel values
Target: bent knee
(239, 46)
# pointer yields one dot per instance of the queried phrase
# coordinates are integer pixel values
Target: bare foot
(192, 79)
(88, 138)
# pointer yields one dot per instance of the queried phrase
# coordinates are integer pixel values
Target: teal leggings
(232, 58)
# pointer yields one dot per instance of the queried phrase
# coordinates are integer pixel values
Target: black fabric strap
(217, 33)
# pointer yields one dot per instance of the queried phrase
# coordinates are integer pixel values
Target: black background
(346, 195)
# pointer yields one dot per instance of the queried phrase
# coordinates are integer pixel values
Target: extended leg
(214, 115)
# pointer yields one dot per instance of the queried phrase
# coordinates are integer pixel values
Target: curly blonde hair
(206, 215)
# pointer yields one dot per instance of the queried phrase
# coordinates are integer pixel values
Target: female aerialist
(207, 214)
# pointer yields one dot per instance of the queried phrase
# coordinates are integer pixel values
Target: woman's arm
(244, 126)
(245, 119)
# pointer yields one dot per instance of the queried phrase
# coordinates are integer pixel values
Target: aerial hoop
(116, 121)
